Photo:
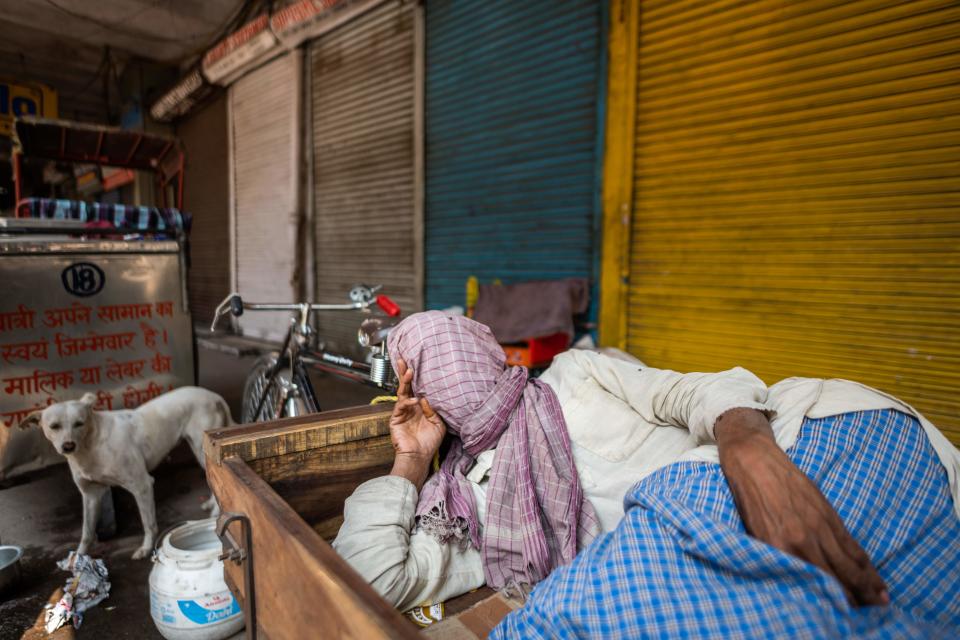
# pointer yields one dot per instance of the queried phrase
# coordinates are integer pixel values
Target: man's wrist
(742, 425)
(413, 467)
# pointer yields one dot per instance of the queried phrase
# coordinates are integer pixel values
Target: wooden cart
(281, 486)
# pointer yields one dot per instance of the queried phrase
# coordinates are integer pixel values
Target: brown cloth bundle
(516, 312)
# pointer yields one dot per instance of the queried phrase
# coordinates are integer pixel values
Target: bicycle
(278, 385)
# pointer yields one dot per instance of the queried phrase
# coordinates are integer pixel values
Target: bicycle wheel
(265, 382)
(260, 385)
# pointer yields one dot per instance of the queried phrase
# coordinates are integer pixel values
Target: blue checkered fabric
(119, 215)
(681, 565)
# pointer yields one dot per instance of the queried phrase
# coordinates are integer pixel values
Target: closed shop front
(513, 97)
(204, 136)
(795, 206)
(362, 113)
(264, 116)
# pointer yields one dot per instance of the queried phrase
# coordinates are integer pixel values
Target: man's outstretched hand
(781, 506)
(415, 429)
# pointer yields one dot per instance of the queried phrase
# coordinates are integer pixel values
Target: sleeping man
(701, 504)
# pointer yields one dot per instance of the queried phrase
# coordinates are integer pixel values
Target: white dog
(120, 448)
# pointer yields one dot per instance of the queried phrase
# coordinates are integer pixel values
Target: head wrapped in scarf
(535, 508)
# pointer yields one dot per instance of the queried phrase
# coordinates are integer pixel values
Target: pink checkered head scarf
(535, 507)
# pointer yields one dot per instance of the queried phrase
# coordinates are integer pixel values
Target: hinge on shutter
(241, 555)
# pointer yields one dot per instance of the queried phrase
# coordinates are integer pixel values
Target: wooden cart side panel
(292, 435)
(315, 483)
(299, 579)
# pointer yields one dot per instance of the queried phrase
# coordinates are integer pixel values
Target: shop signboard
(310, 19)
(24, 99)
(239, 52)
(105, 317)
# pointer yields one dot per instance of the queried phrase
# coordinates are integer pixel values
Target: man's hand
(781, 506)
(416, 431)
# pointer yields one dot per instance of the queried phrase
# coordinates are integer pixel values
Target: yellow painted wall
(795, 194)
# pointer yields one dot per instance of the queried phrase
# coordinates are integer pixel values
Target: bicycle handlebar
(235, 305)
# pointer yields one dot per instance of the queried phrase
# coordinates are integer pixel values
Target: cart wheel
(259, 385)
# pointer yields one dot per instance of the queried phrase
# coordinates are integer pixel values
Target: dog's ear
(89, 399)
(31, 420)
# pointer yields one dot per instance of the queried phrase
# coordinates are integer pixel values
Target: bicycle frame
(296, 393)
(290, 390)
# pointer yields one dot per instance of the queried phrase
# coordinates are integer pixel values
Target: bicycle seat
(374, 331)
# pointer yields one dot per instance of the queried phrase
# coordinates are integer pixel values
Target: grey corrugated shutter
(206, 197)
(265, 129)
(796, 208)
(362, 85)
(512, 94)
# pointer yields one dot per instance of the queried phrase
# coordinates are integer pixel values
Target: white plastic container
(188, 598)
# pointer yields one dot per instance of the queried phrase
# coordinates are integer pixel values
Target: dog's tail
(224, 412)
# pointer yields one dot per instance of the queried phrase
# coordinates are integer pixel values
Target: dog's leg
(144, 497)
(92, 493)
(195, 439)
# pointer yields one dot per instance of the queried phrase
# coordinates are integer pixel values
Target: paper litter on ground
(86, 588)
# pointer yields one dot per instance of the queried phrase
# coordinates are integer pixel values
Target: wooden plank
(301, 583)
(39, 629)
(477, 621)
(316, 482)
(264, 440)
(458, 605)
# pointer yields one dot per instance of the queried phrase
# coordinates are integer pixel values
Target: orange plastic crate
(536, 352)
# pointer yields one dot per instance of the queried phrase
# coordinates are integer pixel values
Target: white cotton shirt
(625, 421)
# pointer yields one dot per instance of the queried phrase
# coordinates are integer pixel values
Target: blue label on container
(194, 612)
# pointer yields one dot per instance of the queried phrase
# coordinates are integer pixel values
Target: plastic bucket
(188, 598)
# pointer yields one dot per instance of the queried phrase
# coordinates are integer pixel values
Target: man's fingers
(847, 542)
(403, 388)
(853, 548)
(814, 555)
(851, 564)
(404, 404)
(852, 567)
(401, 409)
(406, 382)
(427, 409)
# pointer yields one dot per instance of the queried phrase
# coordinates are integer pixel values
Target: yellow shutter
(796, 196)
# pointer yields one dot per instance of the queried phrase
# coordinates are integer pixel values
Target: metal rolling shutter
(265, 129)
(796, 203)
(511, 141)
(362, 85)
(206, 197)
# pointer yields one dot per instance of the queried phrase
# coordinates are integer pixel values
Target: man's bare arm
(781, 506)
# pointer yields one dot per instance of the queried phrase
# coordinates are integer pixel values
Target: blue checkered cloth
(681, 565)
(119, 215)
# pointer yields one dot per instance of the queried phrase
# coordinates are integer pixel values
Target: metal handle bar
(279, 306)
(233, 303)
